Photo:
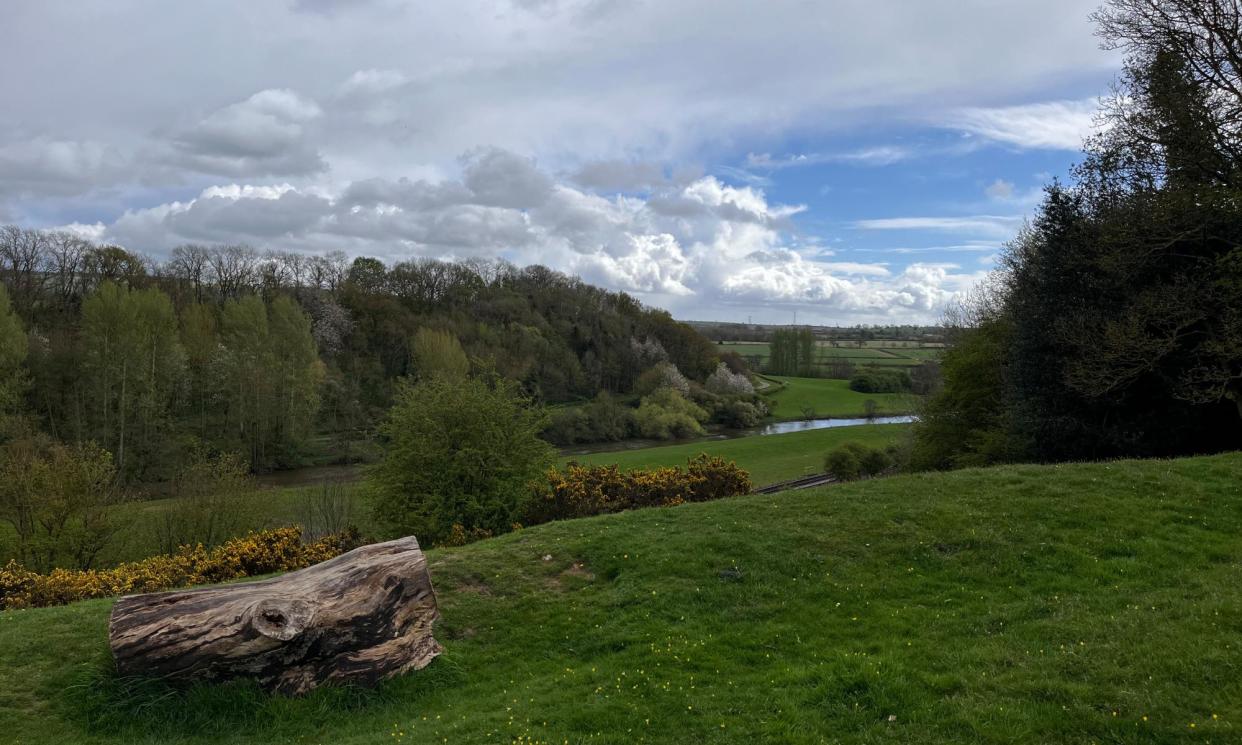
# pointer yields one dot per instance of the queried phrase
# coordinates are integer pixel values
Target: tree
(13, 349)
(457, 452)
(438, 353)
(134, 362)
(58, 499)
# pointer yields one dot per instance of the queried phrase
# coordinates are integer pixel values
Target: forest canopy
(263, 354)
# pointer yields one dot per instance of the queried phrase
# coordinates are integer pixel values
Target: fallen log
(359, 618)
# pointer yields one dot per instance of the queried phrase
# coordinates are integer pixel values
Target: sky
(853, 161)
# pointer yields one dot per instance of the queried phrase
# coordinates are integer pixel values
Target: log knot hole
(281, 618)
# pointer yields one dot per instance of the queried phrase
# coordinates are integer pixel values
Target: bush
(212, 502)
(852, 461)
(278, 550)
(667, 415)
(842, 464)
(582, 491)
(740, 413)
(872, 380)
(602, 420)
(457, 452)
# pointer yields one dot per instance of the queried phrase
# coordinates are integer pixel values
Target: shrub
(666, 415)
(212, 502)
(582, 491)
(457, 452)
(277, 550)
(725, 382)
(842, 464)
(739, 413)
(853, 460)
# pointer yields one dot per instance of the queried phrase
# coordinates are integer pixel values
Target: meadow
(768, 458)
(1075, 603)
(829, 397)
(871, 353)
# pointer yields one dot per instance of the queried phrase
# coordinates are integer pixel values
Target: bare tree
(190, 263)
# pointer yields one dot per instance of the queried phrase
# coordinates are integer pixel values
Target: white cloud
(1003, 226)
(1055, 125)
(704, 246)
(999, 189)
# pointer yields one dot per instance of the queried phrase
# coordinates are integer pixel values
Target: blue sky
(856, 162)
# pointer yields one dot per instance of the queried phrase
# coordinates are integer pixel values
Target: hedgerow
(581, 491)
(268, 551)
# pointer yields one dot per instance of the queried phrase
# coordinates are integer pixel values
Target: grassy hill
(1079, 603)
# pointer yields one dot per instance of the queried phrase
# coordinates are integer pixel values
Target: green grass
(768, 458)
(859, 356)
(1096, 603)
(832, 398)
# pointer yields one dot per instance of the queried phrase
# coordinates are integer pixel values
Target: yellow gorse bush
(268, 551)
(580, 491)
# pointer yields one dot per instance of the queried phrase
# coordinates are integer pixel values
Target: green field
(883, 356)
(768, 458)
(829, 397)
(1069, 604)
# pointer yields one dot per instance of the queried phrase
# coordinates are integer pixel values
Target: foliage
(213, 501)
(13, 348)
(741, 413)
(854, 460)
(725, 382)
(581, 491)
(279, 550)
(876, 380)
(1118, 322)
(457, 452)
(662, 375)
(439, 352)
(666, 414)
(604, 419)
(58, 500)
(966, 422)
(259, 352)
(792, 352)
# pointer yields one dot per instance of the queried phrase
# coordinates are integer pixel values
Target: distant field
(897, 356)
(768, 458)
(829, 397)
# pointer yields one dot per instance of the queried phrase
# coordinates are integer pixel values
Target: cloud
(702, 245)
(261, 136)
(619, 175)
(51, 167)
(1004, 226)
(1056, 125)
(878, 155)
(999, 189)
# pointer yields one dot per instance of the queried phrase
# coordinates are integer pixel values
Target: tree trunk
(359, 618)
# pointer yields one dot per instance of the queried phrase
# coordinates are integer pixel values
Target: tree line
(267, 354)
(1115, 325)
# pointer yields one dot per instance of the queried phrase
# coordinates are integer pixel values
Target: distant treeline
(235, 350)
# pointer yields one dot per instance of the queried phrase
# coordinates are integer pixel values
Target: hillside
(1078, 603)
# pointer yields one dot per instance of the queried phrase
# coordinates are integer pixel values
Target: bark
(362, 617)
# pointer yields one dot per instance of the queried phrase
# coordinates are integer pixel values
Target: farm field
(824, 353)
(768, 458)
(1075, 603)
(829, 397)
